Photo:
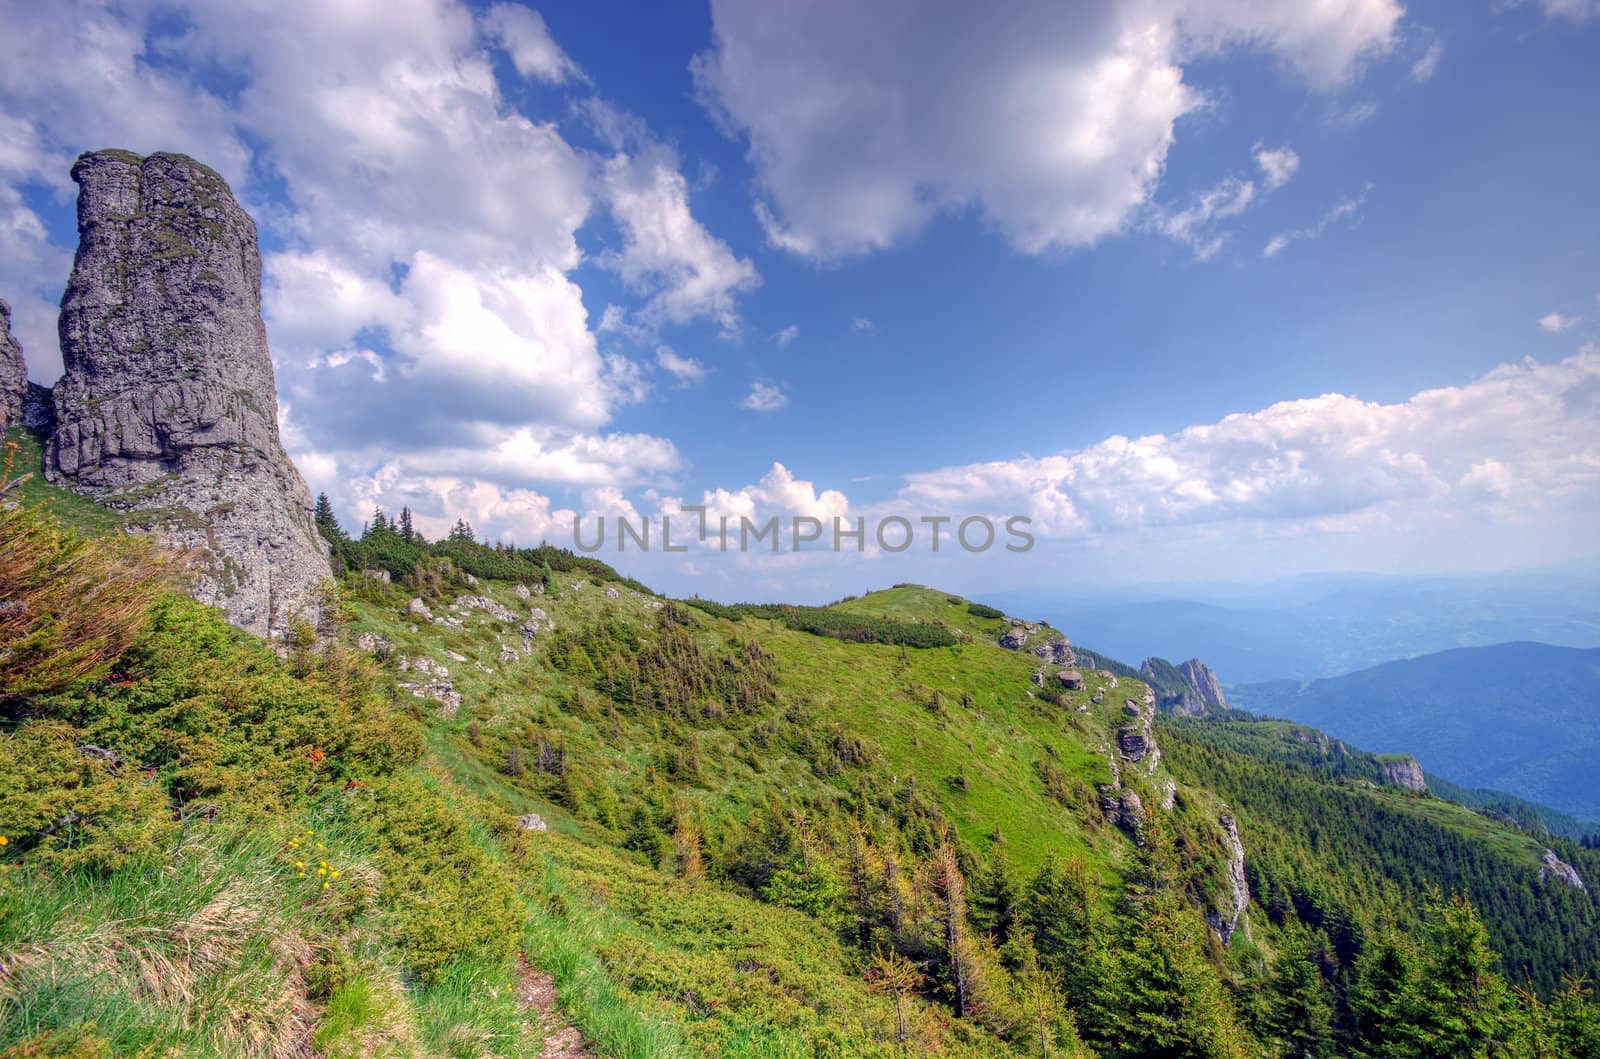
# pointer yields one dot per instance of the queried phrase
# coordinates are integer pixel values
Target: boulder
(532, 822)
(418, 609)
(1014, 638)
(1070, 679)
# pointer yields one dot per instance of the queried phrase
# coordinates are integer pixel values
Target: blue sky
(526, 262)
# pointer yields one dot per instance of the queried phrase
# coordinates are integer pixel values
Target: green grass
(76, 512)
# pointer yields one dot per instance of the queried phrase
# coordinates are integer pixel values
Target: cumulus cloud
(787, 335)
(525, 38)
(1556, 323)
(1345, 210)
(1527, 433)
(420, 296)
(765, 397)
(665, 250)
(1053, 122)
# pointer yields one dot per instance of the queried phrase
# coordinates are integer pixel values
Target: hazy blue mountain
(1517, 717)
(1305, 628)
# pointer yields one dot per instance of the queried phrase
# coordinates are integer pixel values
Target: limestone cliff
(13, 373)
(1402, 770)
(168, 408)
(1190, 690)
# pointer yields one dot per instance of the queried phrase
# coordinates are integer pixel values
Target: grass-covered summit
(903, 824)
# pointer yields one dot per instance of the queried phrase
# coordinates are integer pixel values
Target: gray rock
(168, 408)
(1404, 771)
(378, 575)
(612, 593)
(488, 606)
(439, 691)
(455, 656)
(1014, 638)
(372, 644)
(418, 609)
(522, 592)
(1169, 795)
(1226, 920)
(1559, 870)
(532, 822)
(1070, 679)
(39, 409)
(13, 373)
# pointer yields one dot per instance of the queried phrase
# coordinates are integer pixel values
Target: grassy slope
(648, 963)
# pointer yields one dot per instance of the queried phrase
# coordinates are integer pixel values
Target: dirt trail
(538, 994)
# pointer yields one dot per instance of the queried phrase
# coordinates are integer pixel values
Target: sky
(1202, 289)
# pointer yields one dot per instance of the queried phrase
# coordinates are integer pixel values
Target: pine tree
(1299, 1012)
(408, 532)
(994, 899)
(462, 532)
(327, 523)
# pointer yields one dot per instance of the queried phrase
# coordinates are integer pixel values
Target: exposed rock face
(1226, 921)
(168, 407)
(13, 373)
(1404, 772)
(1559, 870)
(1014, 639)
(1190, 690)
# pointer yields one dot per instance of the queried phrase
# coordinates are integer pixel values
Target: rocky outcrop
(1190, 690)
(1014, 638)
(1403, 771)
(1559, 870)
(168, 409)
(1057, 652)
(1225, 921)
(13, 373)
(1070, 680)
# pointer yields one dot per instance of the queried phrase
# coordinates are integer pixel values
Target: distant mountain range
(1517, 717)
(1308, 628)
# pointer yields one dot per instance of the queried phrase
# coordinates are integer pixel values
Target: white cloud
(787, 335)
(1058, 133)
(1348, 209)
(1526, 433)
(665, 250)
(1278, 165)
(765, 397)
(1556, 323)
(1572, 10)
(1354, 115)
(684, 369)
(862, 326)
(1193, 225)
(1427, 64)
(422, 307)
(526, 39)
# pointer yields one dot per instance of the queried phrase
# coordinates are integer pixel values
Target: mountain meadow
(499, 801)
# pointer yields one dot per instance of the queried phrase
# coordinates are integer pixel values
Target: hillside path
(537, 992)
